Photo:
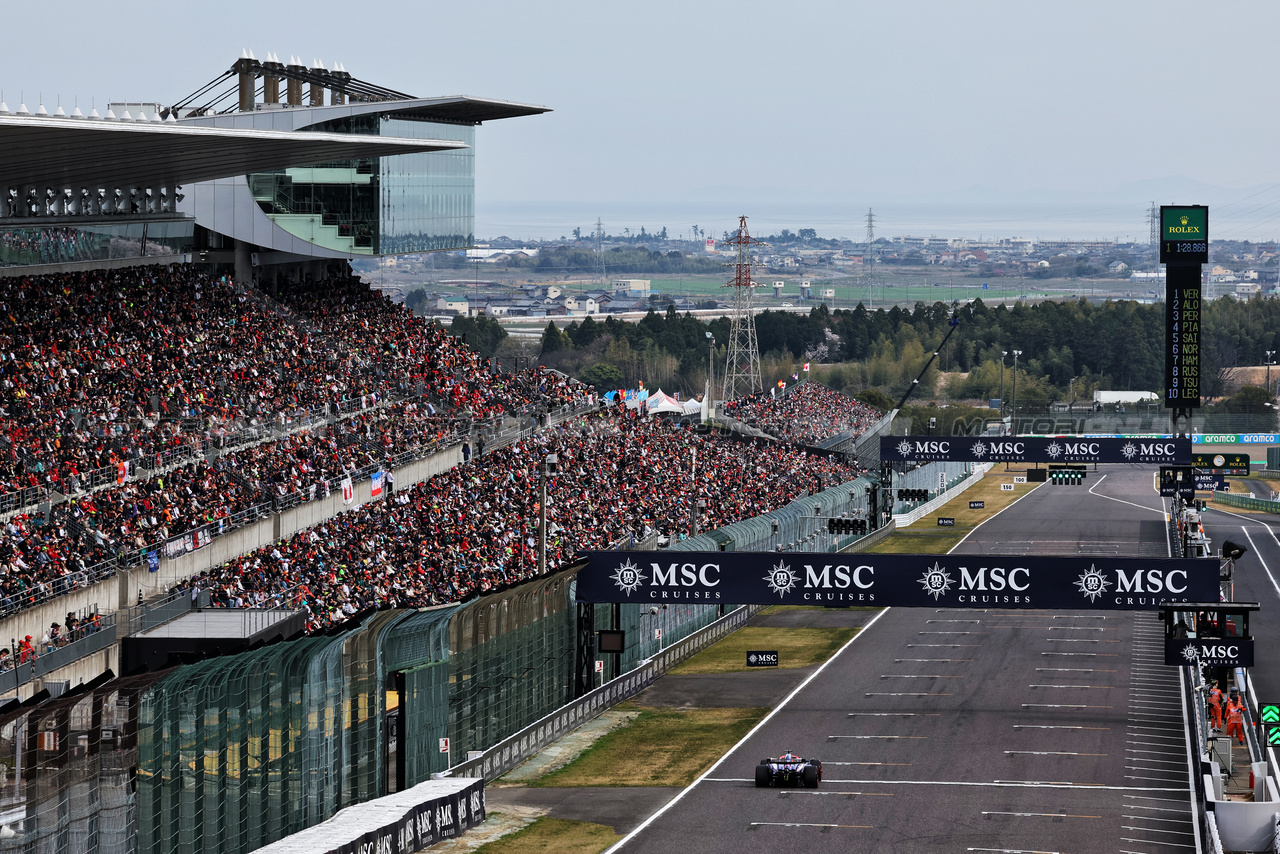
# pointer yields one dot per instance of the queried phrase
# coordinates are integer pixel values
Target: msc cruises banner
(896, 580)
(412, 820)
(1034, 449)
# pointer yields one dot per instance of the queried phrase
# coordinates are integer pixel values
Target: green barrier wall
(1247, 503)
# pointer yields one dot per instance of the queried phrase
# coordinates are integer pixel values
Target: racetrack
(970, 730)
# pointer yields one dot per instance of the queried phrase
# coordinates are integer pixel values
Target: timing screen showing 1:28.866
(1184, 234)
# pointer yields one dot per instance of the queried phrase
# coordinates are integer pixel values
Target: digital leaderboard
(1184, 247)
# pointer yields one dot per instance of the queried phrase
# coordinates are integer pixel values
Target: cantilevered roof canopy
(463, 109)
(64, 152)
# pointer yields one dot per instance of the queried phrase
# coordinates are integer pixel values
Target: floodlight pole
(1016, 354)
(548, 467)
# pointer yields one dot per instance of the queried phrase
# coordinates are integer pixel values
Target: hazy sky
(778, 110)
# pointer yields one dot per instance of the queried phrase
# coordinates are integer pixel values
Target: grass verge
(923, 538)
(797, 647)
(661, 747)
(554, 834)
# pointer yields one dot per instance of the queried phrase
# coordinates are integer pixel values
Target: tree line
(1068, 349)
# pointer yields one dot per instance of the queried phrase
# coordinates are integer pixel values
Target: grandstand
(202, 409)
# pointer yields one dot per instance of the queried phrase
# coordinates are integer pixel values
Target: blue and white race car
(789, 770)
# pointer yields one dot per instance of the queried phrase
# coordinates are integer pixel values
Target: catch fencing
(518, 747)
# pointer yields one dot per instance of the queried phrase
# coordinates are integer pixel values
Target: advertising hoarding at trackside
(946, 521)
(1034, 449)
(896, 580)
(1224, 464)
(762, 658)
(1209, 482)
(1216, 652)
(1235, 438)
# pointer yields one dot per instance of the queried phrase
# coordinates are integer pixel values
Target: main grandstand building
(271, 168)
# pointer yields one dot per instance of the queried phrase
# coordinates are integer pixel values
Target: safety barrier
(516, 748)
(904, 519)
(412, 820)
(1262, 505)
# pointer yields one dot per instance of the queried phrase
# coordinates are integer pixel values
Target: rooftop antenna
(742, 364)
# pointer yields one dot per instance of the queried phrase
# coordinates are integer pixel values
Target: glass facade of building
(379, 205)
(30, 245)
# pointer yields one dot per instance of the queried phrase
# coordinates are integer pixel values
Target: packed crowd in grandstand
(805, 414)
(208, 406)
(474, 528)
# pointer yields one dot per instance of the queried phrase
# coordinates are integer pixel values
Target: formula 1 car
(789, 770)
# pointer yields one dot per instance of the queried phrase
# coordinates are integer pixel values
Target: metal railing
(12, 502)
(149, 615)
(47, 662)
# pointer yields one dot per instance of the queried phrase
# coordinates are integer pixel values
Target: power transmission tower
(871, 256)
(742, 366)
(599, 235)
(1153, 220)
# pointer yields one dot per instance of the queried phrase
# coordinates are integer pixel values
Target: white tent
(692, 406)
(660, 402)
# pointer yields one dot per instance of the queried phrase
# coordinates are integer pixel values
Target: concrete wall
(83, 670)
(122, 590)
(36, 621)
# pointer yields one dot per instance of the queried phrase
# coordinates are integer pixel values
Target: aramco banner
(1034, 449)
(897, 580)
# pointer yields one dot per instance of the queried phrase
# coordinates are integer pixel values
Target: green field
(661, 747)
(797, 647)
(554, 835)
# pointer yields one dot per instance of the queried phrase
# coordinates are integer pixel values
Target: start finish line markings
(1049, 753)
(902, 694)
(895, 714)
(1061, 706)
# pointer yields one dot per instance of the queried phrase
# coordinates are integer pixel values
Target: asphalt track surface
(1257, 579)
(972, 730)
